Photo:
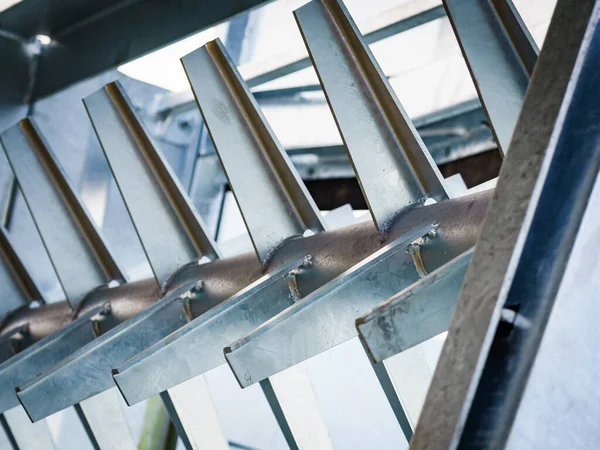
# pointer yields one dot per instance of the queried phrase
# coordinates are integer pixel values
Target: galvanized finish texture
(92, 364)
(414, 315)
(500, 55)
(391, 162)
(80, 257)
(505, 229)
(197, 347)
(45, 353)
(171, 231)
(326, 317)
(271, 196)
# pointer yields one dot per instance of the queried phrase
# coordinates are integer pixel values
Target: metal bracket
(197, 347)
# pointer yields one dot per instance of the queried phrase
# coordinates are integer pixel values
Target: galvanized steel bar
(78, 254)
(542, 190)
(394, 168)
(414, 315)
(271, 196)
(26, 435)
(326, 317)
(91, 365)
(197, 347)
(501, 56)
(169, 228)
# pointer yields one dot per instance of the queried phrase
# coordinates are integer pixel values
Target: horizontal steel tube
(333, 252)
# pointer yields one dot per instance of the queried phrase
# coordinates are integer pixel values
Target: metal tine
(16, 286)
(173, 237)
(80, 257)
(273, 200)
(326, 317)
(17, 289)
(519, 261)
(414, 315)
(501, 56)
(171, 231)
(197, 347)
(392, 164)
(44, 353)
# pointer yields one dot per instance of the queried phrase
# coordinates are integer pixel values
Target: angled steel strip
(171, 231)
(326, 317)
(16, 286)
(501, 56)
(394, 168)
(414, 315)
(24, 434)
(524, 243)
(173, 237)
(91, 365)
(79, 255)
(271, 196)
(44, 353)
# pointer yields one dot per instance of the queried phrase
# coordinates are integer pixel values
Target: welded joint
(414, 249)
(192, 294)
(100, 317)
(292, 280)
(164, 289)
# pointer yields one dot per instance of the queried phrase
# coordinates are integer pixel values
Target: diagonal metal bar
(501, 56)
(91, 365)
(44, 353)
(80, 257)
(326, 317)
(16, 286)
(169, 228)
(197, 347)
(414, 315)
(24, 434)
(394, 168)
(524, 243)
(171, 232)
(256, 165)
(176, 103)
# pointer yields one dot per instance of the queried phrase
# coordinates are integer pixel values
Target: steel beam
(46, 352)
(256, 165)
(524, 245)
(501, 56)
(394, 168)
(414, 315)
(80, 258)
(174, 239)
